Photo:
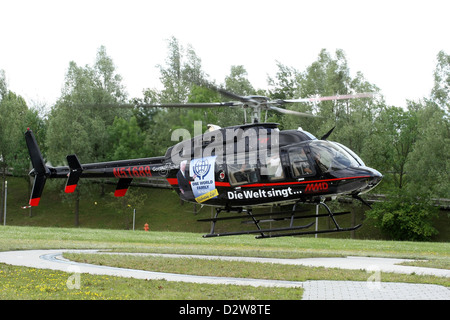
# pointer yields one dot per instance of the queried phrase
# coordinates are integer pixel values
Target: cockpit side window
(300, 164)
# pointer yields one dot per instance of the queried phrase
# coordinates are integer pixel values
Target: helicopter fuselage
(240, 166)
(266, 166)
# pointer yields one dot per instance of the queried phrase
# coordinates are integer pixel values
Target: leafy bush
(403, 217)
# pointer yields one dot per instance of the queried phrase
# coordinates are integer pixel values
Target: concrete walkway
(372, 289)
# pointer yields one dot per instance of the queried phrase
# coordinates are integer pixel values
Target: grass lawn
(30, 283)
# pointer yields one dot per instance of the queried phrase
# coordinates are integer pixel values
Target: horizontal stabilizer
(122, 187)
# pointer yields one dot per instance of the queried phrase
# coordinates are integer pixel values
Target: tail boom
(124, 170)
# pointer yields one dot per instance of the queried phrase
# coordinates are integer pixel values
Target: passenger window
(242, 174)
(273, 168)
(243, 171)
(299, 163)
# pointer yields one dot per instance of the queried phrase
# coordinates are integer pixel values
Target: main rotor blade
(190, 105)
(231, 95)
(296, 113)
(337, 97)
(165, 105)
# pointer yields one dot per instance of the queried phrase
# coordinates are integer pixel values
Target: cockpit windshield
(354, 155)
(331, 156)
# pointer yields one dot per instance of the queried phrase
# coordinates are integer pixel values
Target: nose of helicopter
(374, 179)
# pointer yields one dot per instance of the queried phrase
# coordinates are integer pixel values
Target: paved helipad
(372, 289)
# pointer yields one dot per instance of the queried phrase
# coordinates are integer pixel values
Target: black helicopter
(238, 168)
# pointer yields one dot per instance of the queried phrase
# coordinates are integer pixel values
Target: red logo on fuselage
(316, 187)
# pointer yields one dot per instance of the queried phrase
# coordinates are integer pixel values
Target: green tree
(3, 84)
(181, 71)
(428, 166)
(392, 141)
(175, 85)
(329, 76)
(441, 89)
(402, 217)
(13, 116)
(218, 116)
(14, 119)
(400, 151)
(80, 119)
(180, 74)
(108, 83)
(415, 144)
(237, 82)
(285, 85)
(145, 116)
(127, 140)
(357, 116)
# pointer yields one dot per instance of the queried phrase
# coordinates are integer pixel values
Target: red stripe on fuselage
(255, 185)
(174, 181)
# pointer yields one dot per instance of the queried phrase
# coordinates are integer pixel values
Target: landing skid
(276, 216)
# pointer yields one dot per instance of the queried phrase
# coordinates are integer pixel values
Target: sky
(393, 43)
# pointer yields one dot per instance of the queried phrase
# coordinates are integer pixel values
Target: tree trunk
(77, 209)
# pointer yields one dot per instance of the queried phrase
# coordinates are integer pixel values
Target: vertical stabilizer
(40, 170)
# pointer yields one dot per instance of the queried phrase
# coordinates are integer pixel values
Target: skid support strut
(255, 221)
(291, 216)
(329, 214)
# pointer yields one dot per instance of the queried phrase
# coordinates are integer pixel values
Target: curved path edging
(321, 290)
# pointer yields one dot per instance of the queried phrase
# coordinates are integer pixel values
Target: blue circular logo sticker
(201, 168)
